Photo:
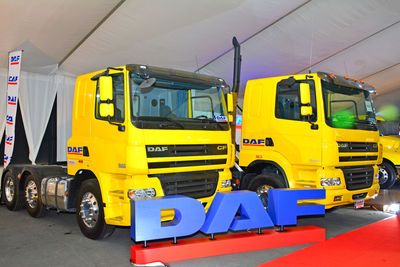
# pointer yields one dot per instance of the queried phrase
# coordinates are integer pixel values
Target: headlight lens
(330, 181)
(136, 194)
(226, 183)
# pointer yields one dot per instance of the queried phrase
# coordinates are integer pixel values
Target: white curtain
(65, 101)
(36, 96)
(3, 101)
(36, 99)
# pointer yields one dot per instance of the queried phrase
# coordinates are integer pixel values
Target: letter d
(146, 217)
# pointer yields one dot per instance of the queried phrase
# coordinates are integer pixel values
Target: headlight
(330, 181)
(136, 194)
(226, 183)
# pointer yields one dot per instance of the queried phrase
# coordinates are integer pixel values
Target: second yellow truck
(310, 131)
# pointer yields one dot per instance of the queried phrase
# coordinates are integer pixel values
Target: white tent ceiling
(358, 38)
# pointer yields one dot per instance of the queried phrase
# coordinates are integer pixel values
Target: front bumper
(347, 197)
(117, 210)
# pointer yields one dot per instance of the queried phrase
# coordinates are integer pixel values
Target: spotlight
(392, 208)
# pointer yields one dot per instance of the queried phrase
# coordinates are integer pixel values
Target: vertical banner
(14, 67)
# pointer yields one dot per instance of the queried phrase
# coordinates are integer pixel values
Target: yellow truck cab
(138, 132)
(310, 131)
(389, 169)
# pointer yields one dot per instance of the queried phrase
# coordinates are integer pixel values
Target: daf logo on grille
(221, 147)
(157, 148)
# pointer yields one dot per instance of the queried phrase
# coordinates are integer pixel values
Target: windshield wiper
(366, 122)
(208, 120)
(169, 122)
(165, 122)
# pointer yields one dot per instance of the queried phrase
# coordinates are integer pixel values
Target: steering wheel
(201, 117)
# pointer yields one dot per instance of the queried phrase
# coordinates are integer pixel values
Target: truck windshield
(168, 104)
(348, 108)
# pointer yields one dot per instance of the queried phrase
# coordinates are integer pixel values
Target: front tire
(387, 175)
(90, 211)
(11, 193)
(262, 183)
(33, 200)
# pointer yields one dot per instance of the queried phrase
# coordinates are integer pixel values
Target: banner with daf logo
(14, 67)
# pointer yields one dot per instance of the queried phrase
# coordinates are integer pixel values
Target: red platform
(225, 244)
(375, 245)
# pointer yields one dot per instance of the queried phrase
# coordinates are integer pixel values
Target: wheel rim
(9, 189)
(89, 210)
(31, 194)
(263, 189)
(383, 175)
(262, 193)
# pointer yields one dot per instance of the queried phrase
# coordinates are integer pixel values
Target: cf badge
(221, 147)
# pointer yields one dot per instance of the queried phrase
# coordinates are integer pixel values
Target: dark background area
(48, 148)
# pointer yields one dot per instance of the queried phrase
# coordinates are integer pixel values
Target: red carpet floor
(375, 245)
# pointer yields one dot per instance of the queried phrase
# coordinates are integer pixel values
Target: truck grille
(192, 184)
(175, 164)
(357, 158)
(155, 151)
(358, 177)
(357, 147)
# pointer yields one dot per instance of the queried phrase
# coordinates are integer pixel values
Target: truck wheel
(387, 175)
(262, 183)
(33, 200)
(12, 196)
(90, 212)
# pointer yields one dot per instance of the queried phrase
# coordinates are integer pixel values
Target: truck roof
(146, 71)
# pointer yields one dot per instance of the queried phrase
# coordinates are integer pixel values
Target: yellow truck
(310, 131)
(138, 132)
(390, 167)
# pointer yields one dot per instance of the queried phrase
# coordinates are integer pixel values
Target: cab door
(298, 138)
(109, 135)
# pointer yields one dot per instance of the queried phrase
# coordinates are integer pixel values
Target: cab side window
(287, 105)
(118, 99)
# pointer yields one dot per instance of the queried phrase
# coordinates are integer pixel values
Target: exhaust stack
(235, 86)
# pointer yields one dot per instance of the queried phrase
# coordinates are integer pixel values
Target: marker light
(346, 77)
(355, 80)
(333, 75)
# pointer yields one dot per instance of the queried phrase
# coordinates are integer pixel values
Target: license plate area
(359, 204)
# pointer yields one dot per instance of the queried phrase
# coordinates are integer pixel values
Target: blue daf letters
(222, 215)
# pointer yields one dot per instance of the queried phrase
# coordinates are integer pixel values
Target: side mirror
(106, 95)
(106, 110)
(106, 88)
(305, 94)
(230, 102)
(305, 99)
(229, 98)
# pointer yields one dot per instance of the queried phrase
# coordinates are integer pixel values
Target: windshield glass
(165, 104)
(348, 108)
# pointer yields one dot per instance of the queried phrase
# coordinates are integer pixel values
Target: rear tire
(33, 199)
(262, 183)
(387, 175)
(90, 211)
(12, 195)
